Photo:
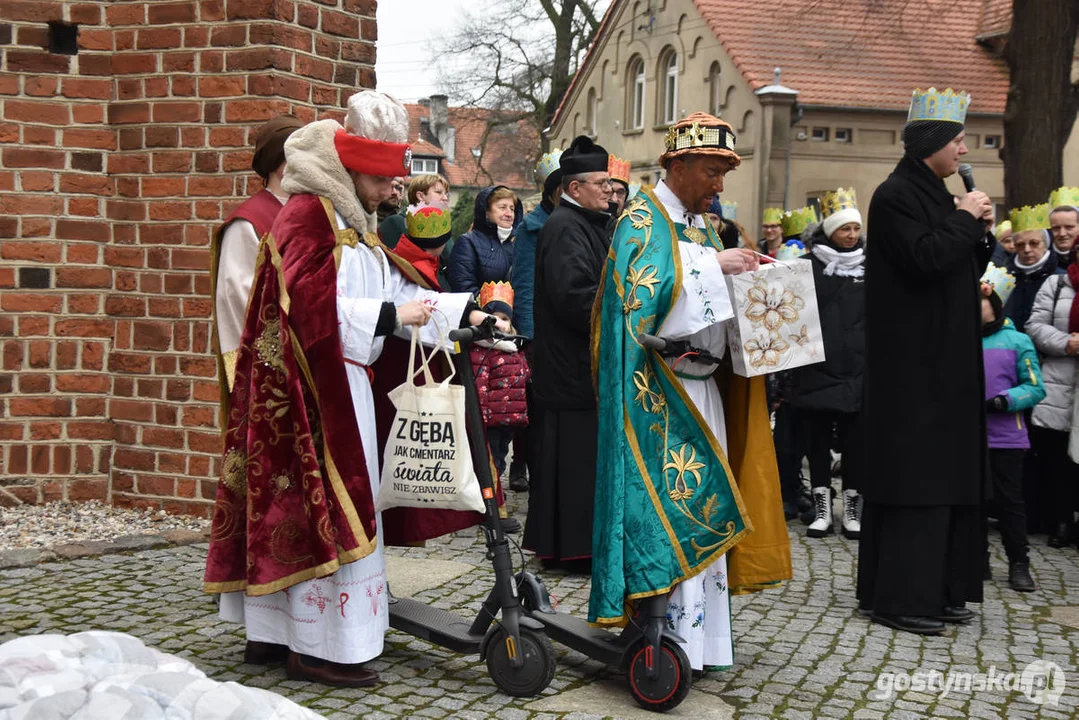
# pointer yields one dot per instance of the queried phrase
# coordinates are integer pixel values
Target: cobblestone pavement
(801, 652)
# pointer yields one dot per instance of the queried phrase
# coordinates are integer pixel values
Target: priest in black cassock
(570, 254)
(921, 554)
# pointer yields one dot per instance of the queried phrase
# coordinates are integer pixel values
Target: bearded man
(296, 544)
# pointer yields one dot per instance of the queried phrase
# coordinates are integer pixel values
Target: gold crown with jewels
(835, 200)
(932, 104)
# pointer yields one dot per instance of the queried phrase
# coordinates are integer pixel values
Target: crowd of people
(653, 474)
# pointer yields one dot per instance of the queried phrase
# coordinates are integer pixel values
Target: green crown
(795, 222)
(427, 222)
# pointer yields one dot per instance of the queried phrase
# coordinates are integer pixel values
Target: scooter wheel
(672, 681)
(535, 673)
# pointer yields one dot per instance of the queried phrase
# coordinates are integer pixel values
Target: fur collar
(314, 168)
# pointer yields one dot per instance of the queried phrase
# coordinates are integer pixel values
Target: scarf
(425, 263)
(1073, 316)
(843, 264)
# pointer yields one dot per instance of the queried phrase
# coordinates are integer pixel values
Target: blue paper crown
(1003, 282)
(947, 106)
(548, 164)
(730, 209)
(791, 250)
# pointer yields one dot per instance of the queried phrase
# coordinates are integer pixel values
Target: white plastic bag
(427, 462)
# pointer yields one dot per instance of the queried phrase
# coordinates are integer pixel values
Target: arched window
(668, 84)
(635, 93)
(715, 90)
(593, 113)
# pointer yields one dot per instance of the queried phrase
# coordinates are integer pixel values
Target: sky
(406, 31)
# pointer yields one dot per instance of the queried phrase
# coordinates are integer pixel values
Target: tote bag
(427, 461)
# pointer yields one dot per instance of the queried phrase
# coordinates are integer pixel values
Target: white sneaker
(852, 514)
(822, 510)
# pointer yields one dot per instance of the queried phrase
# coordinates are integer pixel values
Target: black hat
(923, 138)
(583, 156)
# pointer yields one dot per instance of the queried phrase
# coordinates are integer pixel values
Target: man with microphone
(921, 556)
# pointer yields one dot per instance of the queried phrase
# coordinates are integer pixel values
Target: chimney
(440, 121)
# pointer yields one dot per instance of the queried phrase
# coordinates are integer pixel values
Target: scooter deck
(440, 627)
(573, 632)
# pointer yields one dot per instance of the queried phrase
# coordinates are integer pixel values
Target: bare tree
(1042, 99)
(518, 56)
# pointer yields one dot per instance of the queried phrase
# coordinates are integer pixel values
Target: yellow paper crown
(1030, 218)
(496, 291)
(835, 200)
(931, 104)
(1003, 282)
(427, 222)
(1064, 197)
(794, 222)
(1003, 227)
(548, 164)
(772, 216)
(618, 169)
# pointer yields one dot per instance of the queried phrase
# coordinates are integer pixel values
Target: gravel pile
(59, 523)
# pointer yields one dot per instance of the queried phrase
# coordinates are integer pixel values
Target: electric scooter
(518, 653)
(656, 667)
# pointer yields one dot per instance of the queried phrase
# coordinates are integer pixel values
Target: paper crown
(730, 209)
(931, 104)
(1064, 197)
(794, 222)
(835, 200)
(1003, 282)
(618, 169)
(791, 250)
(427, 222)
(1030, 218)
(700, 133)
(1003, 227)
(548, 164)
(496, 292)
(772, 216)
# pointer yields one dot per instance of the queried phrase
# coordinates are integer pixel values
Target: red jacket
(501, 378)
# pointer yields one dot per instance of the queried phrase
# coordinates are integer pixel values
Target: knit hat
(552, 182)
(270, 144)
(497, 297)
(922, 139)
(935, 118)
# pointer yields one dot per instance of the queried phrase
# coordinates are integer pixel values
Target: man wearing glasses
(570, 253)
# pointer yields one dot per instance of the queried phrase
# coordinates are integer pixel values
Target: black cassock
(570, 253)
(922, 544)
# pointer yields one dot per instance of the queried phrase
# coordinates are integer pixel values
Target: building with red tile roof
(833, 116)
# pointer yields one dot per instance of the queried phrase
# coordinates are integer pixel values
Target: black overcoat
(570, 253)
(924, 383)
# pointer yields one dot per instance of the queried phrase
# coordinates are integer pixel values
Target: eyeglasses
(601, 184)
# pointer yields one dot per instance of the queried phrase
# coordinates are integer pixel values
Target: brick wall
(116, 163)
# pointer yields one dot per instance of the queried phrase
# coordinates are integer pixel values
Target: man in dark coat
(921, 555)
(570, 253)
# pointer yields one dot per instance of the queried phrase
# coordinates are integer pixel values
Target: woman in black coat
(485, 253)
(827, 397)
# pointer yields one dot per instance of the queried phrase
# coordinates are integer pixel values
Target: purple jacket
(1011, 370)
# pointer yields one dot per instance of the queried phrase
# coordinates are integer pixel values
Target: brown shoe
(264, 653)
(305, 667)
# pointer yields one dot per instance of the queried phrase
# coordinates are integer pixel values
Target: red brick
(93, 354)
(250, 59)
(17, 460)
(162, 437)
(84, 328)
(314, 68)
(82, 230)
(12, 431)
(37, 112)
(33, 251)
(34, 326)
(95, 40)
(81, 183)
(361, 7)
(87, 138)
(210, 86)
(193, 136)
(90, 430)
(196, 37)
(50, 430)
(30, 384)
(39, 460)
(134, 64)
(37, 61)
(150, 283)
(178, 62)
(85, 14)
(37, 181)
(307, 16)
(171, 112)
(207, 442)
(41, 86)
(206, 391)
(83, 278)
(177, 12)
(133, 459)
(197, 307)
(31, 302)
(126, 14)
(85, 303)
(178, 390)
(36, 226)
(124, 210)
(292, 87)
(200, 416)
(129, 363)
(336, 23)
(87, 489)
(39, 407)
(190, 259)
(198, 366)
(151, 336)
(163, 307)
(124, 306)
(128, 113)
(135, 410)
(45, 205)
(33, 135)
(158, 38)
(369, 31)
(83, 383)
(209, 186)
(182, 85)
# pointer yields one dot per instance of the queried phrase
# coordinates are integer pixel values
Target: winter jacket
(836, 383)
(478, 256)
(1018, 307)
(524, 268)
(501, 378)
(1011, 370)
(1048, 328)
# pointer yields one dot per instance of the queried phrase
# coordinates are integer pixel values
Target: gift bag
(776, 323)
(427, 461)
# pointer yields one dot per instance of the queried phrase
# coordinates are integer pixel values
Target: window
(992, 142)
(635, 94)
(593, 112)
(843, 135)
(715, 90)
(424, 166)
(669, 84)
(820, 134)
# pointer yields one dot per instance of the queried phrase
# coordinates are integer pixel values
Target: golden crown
(548, 164)
(931, 104)
(492, 291)
(1030, 218)
(1064, 197)
(618, 169)
(795, 222)
(772, 216)
(1003, 282)
(700, 132)
(1003, 227)
(427, 222)
(835, 200)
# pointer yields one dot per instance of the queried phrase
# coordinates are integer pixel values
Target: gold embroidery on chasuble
(234, 473)
(695, 235)
(284, 537)
(229, 359)
(268, 344)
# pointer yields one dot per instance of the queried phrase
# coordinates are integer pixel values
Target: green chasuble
(666, 504)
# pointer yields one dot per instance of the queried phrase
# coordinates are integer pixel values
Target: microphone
(967, 173)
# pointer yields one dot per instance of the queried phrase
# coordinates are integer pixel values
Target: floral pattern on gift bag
(776, 324)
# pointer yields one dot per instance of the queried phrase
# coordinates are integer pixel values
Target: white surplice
(699, 609)
(343, 617)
